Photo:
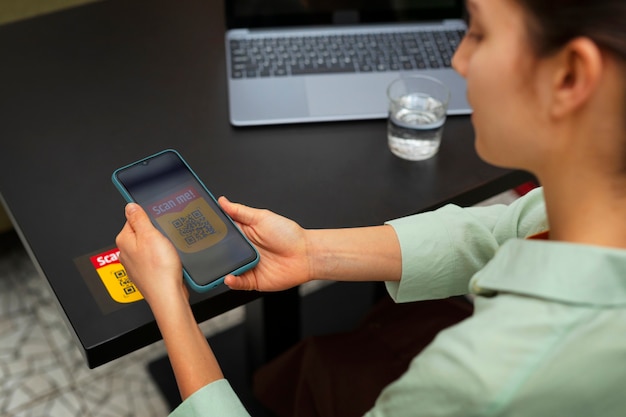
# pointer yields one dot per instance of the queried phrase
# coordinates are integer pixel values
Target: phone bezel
(188, 278)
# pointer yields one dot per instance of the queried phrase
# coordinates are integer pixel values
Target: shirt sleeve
(215, 399)
(442, 249)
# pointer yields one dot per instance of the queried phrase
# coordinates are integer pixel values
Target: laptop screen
(271, 13)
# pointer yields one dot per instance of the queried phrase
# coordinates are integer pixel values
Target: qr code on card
(193, 227)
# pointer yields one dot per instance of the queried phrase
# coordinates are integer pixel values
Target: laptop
(298, 61)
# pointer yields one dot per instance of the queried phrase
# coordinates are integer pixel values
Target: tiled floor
(42, 373)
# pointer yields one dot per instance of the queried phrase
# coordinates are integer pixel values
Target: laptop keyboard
(293, 56)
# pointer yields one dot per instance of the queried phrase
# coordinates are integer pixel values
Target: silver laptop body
(289, 88)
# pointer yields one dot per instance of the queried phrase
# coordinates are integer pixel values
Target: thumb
(242, 282)
(238, 212)
(137, 218)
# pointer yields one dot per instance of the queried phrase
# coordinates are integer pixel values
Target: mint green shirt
(548, 333)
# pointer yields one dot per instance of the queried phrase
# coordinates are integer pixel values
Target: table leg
(273, 325)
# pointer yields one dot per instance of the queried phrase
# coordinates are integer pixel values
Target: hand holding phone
(208, 242)
(149, 257)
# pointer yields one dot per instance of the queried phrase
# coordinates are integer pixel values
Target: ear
(578, 70)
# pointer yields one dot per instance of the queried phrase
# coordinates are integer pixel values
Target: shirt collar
(565, 272)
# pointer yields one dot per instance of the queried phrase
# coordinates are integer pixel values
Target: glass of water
(417, 113)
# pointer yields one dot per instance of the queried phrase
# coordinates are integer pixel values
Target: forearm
(151, 261)
(191, 357)
(355, 254)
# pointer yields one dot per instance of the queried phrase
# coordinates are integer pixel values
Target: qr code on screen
(194, 227)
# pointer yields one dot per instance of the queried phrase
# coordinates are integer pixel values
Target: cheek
(483, 81)
(498, 90)
(504, 136)
(498, 121)
(487, 98)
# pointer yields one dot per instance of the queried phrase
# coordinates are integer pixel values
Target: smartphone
(209, 243)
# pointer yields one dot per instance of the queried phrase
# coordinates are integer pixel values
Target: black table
(90, 89)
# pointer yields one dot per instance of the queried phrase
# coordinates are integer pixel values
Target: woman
(547, 81)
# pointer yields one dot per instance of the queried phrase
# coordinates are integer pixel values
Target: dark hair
(553, 23)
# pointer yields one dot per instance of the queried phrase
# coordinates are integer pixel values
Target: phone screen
(209, 244)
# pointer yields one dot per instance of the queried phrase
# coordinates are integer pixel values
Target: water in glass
(415, 126)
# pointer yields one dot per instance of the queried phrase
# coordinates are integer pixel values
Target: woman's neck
(587, 210)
